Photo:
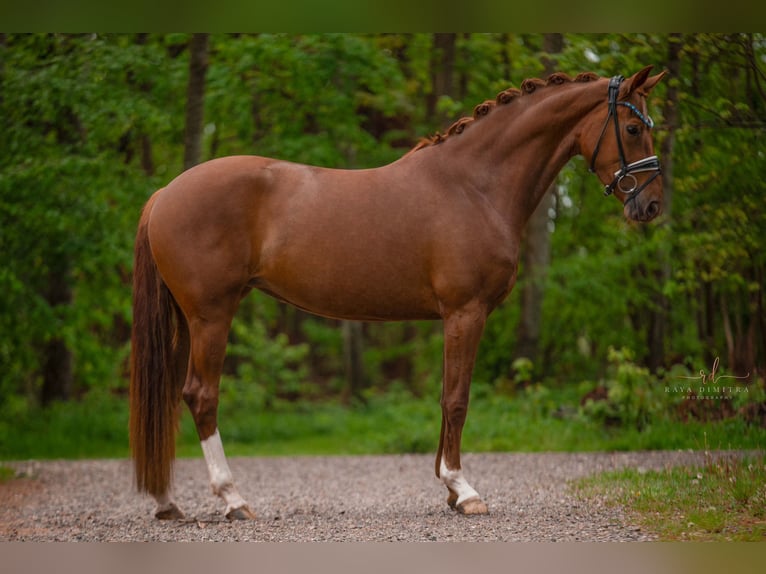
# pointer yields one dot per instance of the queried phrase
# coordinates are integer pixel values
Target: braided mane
(528, 86)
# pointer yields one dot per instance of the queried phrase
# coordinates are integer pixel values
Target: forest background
(617, 335)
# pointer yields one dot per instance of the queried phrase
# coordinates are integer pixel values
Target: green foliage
(299, 97)
(92, 124)
(541, 420)
(267, 368)
(68, 203)
(497, 344)
(633, 398)
(6, 473)
(523, 369)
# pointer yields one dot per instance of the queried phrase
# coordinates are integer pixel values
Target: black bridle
(626, 171)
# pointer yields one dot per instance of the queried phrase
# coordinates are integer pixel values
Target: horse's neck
(514, 155)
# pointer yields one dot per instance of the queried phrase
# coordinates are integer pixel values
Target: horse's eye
(633, 129)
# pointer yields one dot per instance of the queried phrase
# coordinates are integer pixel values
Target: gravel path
(369, 498)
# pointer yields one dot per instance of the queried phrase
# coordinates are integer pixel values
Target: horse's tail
(156, 380)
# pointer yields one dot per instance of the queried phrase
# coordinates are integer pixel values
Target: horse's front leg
(462, 333)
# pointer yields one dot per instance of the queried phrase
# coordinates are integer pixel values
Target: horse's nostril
(652, 210)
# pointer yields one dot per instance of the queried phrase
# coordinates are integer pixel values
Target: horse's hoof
(472, 506)
(169, 512)
(241, 513)
(452, 500)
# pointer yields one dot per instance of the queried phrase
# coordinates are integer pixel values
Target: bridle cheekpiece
(625, 175)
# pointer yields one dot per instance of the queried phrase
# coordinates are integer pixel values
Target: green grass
(96, 427)
(723, 500)
(6, 473)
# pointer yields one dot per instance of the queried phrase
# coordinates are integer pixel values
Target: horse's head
(622, 154)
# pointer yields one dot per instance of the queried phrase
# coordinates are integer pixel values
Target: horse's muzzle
(643, 213)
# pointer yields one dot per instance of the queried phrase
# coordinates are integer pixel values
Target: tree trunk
(761, 317)
(709, 321)
(57, 367)
(505, 39)
(659, 315)
(2, 66)
(195, 99)
(353, 334)
(57, 360)
(442, 75)
(146, 153)
(352, 359)
(536, 259)
(740, 334)
(536, 254)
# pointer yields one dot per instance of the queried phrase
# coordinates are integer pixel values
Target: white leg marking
(163, 499)
(164, 502)
(456, 482)
(221, 479)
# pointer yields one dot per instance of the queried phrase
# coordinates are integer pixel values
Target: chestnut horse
(433, 235)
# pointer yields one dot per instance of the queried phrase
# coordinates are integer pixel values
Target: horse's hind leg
(208, 348)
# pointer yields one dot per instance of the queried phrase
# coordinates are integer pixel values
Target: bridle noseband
(626, 171)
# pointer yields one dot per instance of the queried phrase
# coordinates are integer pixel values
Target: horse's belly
(347, 285)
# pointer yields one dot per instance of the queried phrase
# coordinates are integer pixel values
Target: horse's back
(360, 244)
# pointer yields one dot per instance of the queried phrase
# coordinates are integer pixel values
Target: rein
(626, 171)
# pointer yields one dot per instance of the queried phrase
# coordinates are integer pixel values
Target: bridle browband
(626, 170)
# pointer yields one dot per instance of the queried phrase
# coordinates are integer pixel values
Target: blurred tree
(656, 333)
(195, 99)
(536, 251)
(353, 346)
(92, 124)
(442, 77)
(69, 198)
(719, 214)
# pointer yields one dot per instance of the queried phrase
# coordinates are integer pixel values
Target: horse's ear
(641, 82)
(649, 83)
